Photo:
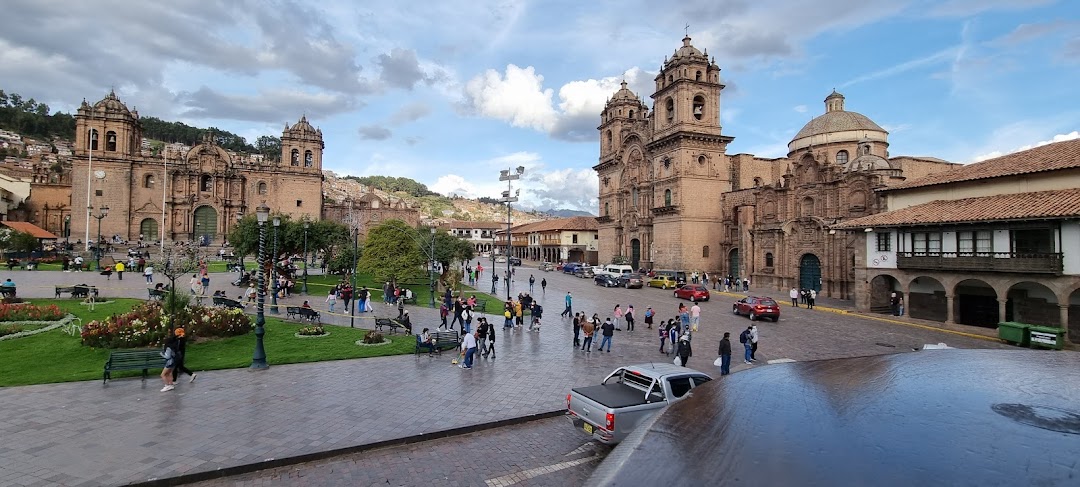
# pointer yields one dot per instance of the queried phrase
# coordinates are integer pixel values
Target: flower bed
(311, 332)
(29, 312)
(147, 325)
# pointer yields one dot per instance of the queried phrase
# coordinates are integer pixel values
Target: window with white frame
(926, 243)
(884, 241)
(977, 242)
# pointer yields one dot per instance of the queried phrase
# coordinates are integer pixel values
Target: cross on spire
(686, 30)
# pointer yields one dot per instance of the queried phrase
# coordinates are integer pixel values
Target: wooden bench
(380, 323)
(409, 300)
(441, 340)
(228, 303)
(77, 290)
(7, 291)
(133, 360)
(302, 313)
(157, 294)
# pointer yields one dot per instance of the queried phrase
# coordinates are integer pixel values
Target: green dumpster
(1046, 337)
(1013, 332)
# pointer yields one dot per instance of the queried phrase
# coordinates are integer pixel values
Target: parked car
(757, 307)
(663, 282)
(627, 397)
(570, 267)
(678, 276)
(631, 281)
(515, 261)
(500, 259)
(547, 266)
(585, 272)
(693, 292)
(606, 280)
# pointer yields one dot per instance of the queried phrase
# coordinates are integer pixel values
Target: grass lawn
(55, 356)
(320, 285)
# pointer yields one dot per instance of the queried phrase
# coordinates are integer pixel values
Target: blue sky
(448, 93)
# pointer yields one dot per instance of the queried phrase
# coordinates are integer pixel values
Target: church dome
(837, 125)
(112, 104)
(624, 94)
(686, 53)
(303, 125)
(868, 162)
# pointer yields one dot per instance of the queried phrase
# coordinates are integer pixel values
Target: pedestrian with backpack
(753, 342)
(663, 334)
(744, 339)
(649, 317)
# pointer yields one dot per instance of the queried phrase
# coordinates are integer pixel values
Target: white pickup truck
(628, 396)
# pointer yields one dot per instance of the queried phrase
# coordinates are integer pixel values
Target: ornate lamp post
(273, 267)
(307, 225)
(240, 218)
(258, 359)
(431, 273)
(352, 279)
(509, 177)
(494, 275)
(102, 213)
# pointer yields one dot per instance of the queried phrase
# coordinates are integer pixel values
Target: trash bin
(1013, 332)
(1046, 337)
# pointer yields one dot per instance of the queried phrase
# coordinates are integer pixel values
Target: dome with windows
(112, 104)
(687, 52)
(837, 125)
(303, 126)
(624, 94)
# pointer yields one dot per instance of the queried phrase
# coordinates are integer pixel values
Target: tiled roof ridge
(1048, 157)
(1060, 203)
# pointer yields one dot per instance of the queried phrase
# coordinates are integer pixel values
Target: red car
(693, 292)
(757, 307)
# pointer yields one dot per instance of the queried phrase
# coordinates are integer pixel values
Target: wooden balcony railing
(1040, 263)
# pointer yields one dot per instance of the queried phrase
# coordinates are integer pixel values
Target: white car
(500, 259)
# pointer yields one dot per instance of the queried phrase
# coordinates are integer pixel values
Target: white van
(615, 270)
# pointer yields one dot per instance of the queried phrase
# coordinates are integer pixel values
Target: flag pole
(164, 193)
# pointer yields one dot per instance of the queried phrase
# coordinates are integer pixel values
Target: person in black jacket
(684, 350)
(489, 338)
(180, 347)
(725, 354)
(406, 322)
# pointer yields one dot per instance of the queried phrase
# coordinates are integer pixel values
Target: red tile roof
(576, 223)
(461, 224)
(30, 228)
(1020, 206)
(1049, 157)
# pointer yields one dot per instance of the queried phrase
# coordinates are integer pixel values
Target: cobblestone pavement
(543, 452)
(85, 433)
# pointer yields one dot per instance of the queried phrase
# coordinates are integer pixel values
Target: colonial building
(993, 241)
(368, 209)
(671, 196)
(199, 194)
(573, 239)
(480, 234)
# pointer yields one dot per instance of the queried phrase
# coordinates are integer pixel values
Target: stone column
(1063, 312)
(1001, 309)
(949, 315)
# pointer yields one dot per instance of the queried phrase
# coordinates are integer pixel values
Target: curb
(308, 457)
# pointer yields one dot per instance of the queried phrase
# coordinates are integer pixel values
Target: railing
(603, 219)
(1040, 263)
(665, 210)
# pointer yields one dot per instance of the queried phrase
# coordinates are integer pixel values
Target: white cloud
(800, 108)
(1057, 138)
(967, 8)
(518, 97)
(941, 56)
(540, 188)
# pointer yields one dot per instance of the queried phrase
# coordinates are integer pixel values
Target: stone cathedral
(671, 197)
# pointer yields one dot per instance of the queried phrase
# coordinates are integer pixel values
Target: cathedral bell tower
(302, 146)
(687, 94)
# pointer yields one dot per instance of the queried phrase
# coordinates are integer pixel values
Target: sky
(449, 93)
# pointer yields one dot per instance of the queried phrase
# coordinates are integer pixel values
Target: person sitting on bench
(305, 305)
(406, 322)
(425, 341)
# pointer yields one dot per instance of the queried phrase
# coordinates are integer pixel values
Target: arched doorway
(810, 272)
(1032, 303)
(976, 304)
(733, 263)
(881, 289)
(1074, 316)
(148, 229)
(205, 224)
(635, 253)
(926, 300)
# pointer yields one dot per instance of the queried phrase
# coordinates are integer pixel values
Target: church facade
(193, 195)
(672, 198)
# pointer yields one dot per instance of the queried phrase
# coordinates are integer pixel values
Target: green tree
(392, 253)
(175, 263)
(269, 146)
(23, 242)
(342, 262)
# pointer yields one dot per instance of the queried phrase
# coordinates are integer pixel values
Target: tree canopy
(393, 184)
(30, 118)
(392, 252)
(322, 236)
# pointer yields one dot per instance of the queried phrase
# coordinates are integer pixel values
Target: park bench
(408, 298)
(441, 340)
(133, 360)
(157, 294)
(393, 325)
(7, 291)
(227, 303)
(301, 313)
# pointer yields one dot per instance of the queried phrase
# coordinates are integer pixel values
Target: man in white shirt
(468, 345)
(794, 295)
(811, 298)
(695, 316)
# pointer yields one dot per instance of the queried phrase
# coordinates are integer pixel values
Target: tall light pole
(352, 280)
(431, 273)
(494, 274)
(509, 177)
(307, 225)
(102, 213)
(240, 261)
(258, 359)
(273, 267)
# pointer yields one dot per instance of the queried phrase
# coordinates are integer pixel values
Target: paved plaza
(126, 431)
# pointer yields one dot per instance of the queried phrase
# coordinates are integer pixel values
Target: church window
(631, 114)
(609, 139)
(607, 209)
(699, 107)
(757, 182)
(705, 252)
(670, 106)
(98, 192)
(309, 159)
(697, 77)
(667, 197)
(701, 159)
(295, 159)
(92, 143)
(670, 79)
(262, 188)
(299, 203)
(807, 206)
(206, 183)
(842, 158)
(768, 259)
(633, 197)
(110, 141)
(148, 181)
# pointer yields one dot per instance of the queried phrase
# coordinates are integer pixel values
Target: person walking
(794, 295)
(684, 351)
(346, 295)
(205, 281)
(753, 343)
(331, 298)
(744, 339)
(443, 313)
(608, 331)
(569, 309)
(489, 340)
(169, 354)
(400, 307)
(519, 313)
(508, 313)
(618, 314)
(119, 268)
(362, 299)
(468, 348)
(181, 355)
(148, 273)
(695, 316)
(537, 313)
(577, 330)
(663, 336)
(673, 335)
(725, 354)
(543, 286)
(629, 316)
(194, 284)
(459, 306)
(588, 327)
(684, 320)
(649, 317)
(532, 281)
(811, 298)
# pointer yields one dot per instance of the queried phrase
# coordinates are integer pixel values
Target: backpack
(744, 336)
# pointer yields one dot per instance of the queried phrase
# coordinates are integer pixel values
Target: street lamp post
(240, 260)
(273, 267)
(494, 275)
(509, 177)
(431, 273)
(102, 213)
(352, 280)
(307, 225)
(258, 359)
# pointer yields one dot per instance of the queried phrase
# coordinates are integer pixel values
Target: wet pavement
(84, 433)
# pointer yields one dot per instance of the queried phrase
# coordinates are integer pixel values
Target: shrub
(148, 324)
(313, 330)
(29, 312)
(10, 329)
(373, 338)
